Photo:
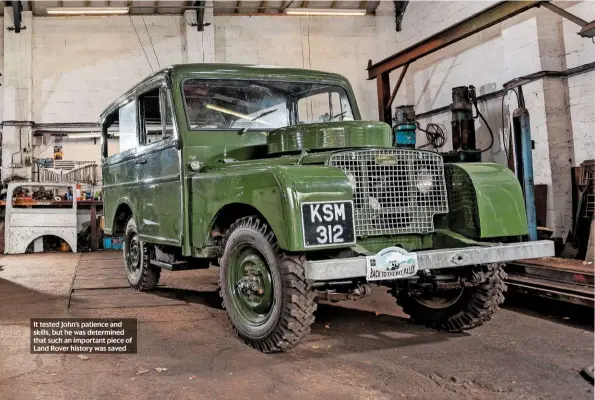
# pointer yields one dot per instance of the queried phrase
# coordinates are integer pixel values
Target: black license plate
(329, 223)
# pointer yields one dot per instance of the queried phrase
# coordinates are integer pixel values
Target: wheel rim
(133, 254)
(250, 284)
(446, 299)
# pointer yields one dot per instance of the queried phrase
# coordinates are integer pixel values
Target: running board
(176, 266)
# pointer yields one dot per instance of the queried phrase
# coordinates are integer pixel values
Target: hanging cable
(151, 41)
(480, 115)
(141, 43)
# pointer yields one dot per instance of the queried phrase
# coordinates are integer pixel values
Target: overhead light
(87, 10)
(325, 11)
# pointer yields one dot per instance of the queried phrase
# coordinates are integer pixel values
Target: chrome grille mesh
(387, 199)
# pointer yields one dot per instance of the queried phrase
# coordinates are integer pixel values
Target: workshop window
(156, 116)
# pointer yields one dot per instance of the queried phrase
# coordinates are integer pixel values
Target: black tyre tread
(150, 274)
(482, 304)
(299, 303)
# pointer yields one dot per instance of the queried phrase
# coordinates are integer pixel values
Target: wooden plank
(104, 264)
(559, 263)
(102, 255)
(124, 300)
(101, 284)
(262, 7)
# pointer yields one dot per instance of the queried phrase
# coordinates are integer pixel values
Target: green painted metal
(249, 279)
(274, 191)
(500, 205)
(329, 135)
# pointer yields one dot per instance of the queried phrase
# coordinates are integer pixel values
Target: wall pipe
(523, 80)
(521, 114)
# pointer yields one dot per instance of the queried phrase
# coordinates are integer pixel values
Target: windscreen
(230, 104)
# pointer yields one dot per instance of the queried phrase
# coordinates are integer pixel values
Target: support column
(18, 102)
(560, 149)
(200, 45)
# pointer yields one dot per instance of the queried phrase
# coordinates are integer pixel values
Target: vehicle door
(119, 168)
(158, 165)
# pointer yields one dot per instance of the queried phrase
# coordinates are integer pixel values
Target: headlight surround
(352, 180)
(424, 181)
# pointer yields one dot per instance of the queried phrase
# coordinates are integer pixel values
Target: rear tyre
(265, 294)
(137, 255)
(457, 310)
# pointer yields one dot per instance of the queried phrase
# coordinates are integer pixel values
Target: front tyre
(137, 254)
(265, 294)
(456, 310)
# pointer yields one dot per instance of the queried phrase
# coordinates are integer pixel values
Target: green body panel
(329, 135)
(274, 191)
(499, 200)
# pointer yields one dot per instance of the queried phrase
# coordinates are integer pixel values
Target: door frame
(144, 150)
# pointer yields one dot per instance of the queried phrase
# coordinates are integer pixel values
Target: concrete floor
(357, 350)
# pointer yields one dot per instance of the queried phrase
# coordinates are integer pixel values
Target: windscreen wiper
(259, 116)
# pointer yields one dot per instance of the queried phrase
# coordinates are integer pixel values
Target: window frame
(164, 102)
(104, 134)
(316, 93)
(293, 110)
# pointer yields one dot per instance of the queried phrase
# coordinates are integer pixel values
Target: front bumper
(355, 267)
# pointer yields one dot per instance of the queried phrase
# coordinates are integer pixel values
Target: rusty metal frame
(487, 18)
(476, 23)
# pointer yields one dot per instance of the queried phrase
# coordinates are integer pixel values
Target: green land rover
(271, 175)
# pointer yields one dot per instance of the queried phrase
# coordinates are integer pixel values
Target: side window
(156, 116)
(127, 127)
(323, 107)
(150, 116)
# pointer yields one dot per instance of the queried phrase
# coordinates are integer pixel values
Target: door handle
(142, 161)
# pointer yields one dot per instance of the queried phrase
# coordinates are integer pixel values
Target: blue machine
(404, 127)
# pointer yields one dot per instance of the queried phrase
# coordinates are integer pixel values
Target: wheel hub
(251, 282)
(134, 254)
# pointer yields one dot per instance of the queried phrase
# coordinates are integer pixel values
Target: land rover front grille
(398, 191)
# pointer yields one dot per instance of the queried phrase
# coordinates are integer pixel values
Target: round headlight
(352, 180)
(425, 181)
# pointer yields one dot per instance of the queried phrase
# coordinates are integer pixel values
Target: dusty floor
(364, 350)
